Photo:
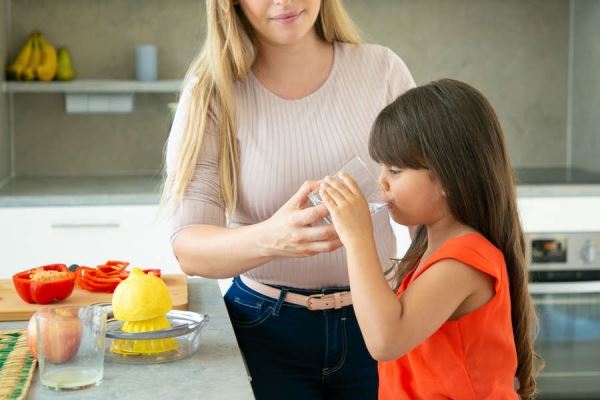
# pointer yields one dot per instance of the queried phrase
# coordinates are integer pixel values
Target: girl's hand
(288, 233)
(348, 208)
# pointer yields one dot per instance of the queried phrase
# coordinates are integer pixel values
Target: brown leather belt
(313, 302)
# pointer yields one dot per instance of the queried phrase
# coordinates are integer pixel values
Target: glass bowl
(181, 340)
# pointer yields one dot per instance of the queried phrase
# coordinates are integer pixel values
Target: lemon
(154, 346)
(141, 297)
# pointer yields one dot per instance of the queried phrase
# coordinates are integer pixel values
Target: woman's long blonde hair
(228, 53)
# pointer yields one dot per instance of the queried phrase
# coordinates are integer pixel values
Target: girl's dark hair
(451, 129)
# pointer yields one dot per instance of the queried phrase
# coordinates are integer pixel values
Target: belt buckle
(318, 296)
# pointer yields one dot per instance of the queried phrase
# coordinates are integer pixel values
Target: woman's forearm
(217, 252)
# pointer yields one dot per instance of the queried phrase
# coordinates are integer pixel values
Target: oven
(564, 274)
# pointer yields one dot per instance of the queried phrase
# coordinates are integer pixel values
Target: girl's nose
(383, 182)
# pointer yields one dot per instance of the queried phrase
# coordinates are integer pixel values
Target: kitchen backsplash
(585, 78)
(515, 51)
(101, 36)
(4, 136)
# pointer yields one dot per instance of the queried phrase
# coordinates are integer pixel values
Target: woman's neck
(294, 71)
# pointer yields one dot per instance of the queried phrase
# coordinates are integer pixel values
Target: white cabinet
(91, 235)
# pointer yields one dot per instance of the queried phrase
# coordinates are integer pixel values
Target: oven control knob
(588, 252)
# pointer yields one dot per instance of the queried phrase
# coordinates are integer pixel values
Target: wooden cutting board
(13, 308)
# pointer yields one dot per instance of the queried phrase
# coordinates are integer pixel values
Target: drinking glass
(357, 169)
(70, 346)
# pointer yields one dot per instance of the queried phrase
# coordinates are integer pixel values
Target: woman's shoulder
(380, 64)
(372, 50)
(187, 96)
(369, 53)
(188, 84)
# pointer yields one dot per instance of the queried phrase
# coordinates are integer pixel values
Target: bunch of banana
(36, 60)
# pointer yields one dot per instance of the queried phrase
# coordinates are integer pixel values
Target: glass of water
(70, 346)
(358, 170)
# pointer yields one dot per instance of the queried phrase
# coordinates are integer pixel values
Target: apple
(61, 334)
(32, 336)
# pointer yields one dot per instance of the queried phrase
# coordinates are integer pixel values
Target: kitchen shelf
(93, 86)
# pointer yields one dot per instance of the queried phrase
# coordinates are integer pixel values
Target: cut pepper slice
(88, 279)
(106, 277)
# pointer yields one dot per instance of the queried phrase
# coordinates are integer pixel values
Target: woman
(282, 92)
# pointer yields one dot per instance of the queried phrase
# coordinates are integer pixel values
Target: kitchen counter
(80, 191)
(559, 190)
(557, 182)
(215, 372)
(123, 190)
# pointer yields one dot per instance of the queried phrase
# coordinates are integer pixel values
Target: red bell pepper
(106, 277)
(103, 278)
(43, 285)
(113, 266)
(89, 279)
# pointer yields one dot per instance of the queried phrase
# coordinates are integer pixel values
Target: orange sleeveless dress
(473, 357)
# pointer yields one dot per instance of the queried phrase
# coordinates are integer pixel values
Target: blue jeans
(295, 353)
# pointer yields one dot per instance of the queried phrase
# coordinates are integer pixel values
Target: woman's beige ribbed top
(282, 143)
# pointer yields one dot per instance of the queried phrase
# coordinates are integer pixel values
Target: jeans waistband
(318, 301)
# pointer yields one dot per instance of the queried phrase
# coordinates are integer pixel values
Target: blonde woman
(282, 92)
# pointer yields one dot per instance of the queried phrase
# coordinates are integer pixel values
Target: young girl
(460, 326)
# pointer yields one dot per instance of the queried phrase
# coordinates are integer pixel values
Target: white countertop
(80, 191)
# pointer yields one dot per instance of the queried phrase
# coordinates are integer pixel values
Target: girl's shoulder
(470, 245)
(472, 240)
(474, 250)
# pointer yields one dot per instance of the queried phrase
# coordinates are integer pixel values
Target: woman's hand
(288, 233)
(348, 208)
